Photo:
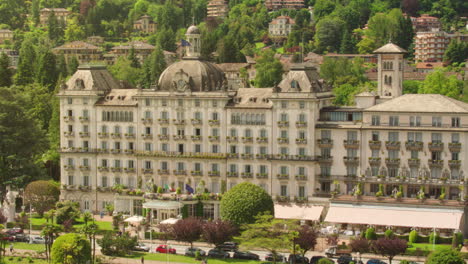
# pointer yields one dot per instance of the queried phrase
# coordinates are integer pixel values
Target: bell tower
(390, 70)
(193, 47)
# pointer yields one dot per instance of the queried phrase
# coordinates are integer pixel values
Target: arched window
(390, 80)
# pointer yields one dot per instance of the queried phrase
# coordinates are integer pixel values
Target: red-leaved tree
(389, 247)
(218, 231)
(306, 239)
(360, 245)
(187, 230)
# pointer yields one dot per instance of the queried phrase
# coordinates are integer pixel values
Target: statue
(368, 172)
(395, 192)
(9, 205)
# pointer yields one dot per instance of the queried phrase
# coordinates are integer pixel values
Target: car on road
(246, 255)
(37, 240)
(8, 237)
(21, 238)
(165, 249)
(141, 247)
(315, 259)
(229, 246)
(345, 259)
(375, 261)
(279, 257)
(192, 251)
(298, 259)
(15, 231)
(218, 253)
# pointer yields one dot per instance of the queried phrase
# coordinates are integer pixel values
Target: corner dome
(192, 75)
(193, 30)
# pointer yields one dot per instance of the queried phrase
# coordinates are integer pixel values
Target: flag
(188, 188)
(185, 43)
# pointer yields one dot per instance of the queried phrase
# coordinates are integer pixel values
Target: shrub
(389, 233)
(243, 202)
(325, 261)
(413, 237)
(72, 249)
(457, 239)
(370, 234)
(404, 261)
(42, 195)
(445, 256)
(67, 210)
(434, 238)
(113, 245)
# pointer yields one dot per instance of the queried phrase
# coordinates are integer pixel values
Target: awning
(134, 219)
(169, 221)
(161, 204)
(395, 216)
(292, 211)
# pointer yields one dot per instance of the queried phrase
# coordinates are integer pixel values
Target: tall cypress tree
(55, 29)
(27, 59)
(5, 72)
(47, 72)
(153, 66)
(73, 65)
(35, 12)
(134, 62)
(62, 70)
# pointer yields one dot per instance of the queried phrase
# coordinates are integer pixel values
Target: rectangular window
(325, 134)
(197, 103)
(284, 133)
(393, 136)
(301, 192)
(325, 152)
(233, 168)
(375, 120)
(131, 164)
(414, 154)
(375, 136)
(197, 167)
(352, 135)
(455, 138)
(436, 137)
(215, 148)
(263, 169)
(301, 151)
(393, 121)
(284, 104)
(393, 154)
(214, 167)
(375, 153)
(415, 121)
(147, 102)
(197, 148)
(284, 170)
(325, 171)
(71, 180)
(284, 190)
(455, 122)
(104, 181)
(302, 104)
(148, 164)
(455, 155)
(436, 121)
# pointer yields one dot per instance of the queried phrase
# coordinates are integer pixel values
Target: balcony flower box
(436, 146)
(435, 163)
(233, 155)
(147, 171)
(261, 175)
(129, 135)
(129, 151)
(84, 134)
(180, 172)
(196, 173)
(101, 168)
(196, 138)
(196, 121)
(246, 156)
(147, 120)
(390, 161)
(395, 145)
(231, 174)
(301, 124)
(454, 163)
(68, 118)
(116, 135)
(375, 160)
(83, 118)
(116, 169)
(68, 133)
(213, 173)
(246, 175)
(283, 123)
(178, 122)
(414, 145)
(299, 199)
(261, 156)
(147, 136)
(325, 143)
(84, 188)
(282, 199)
(283, 140)
(454, 147)
(84, 168)
(375, 144)
(115, 151)
(247, 139)
(262, 140)
(301, 141)
(163, 172)
(414, 162)
(129, 170)
(301, 177)
(178, 137)
(213, 122)
(103, 135)
(69, 167)
(213, 138)
(231, 139)
(163, 121)
(282, 176)
(163, 137)
(352, 144)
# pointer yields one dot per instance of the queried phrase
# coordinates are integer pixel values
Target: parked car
(191, 252)
(8, 237)
(375, 261)
(335, 252)
(15, 231)
(37, 240)
(246, 255)
(279, 257)
(21, 238)
(298, 259)
(218, 253)
(141, 247)
(165, 249)
(315, 259)
(344, 259)
(228, 246)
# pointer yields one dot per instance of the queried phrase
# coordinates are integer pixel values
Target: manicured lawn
(25, 260)
(427, 247)
(184, 259)
(38, 222)
(22, 245)
(259, 45)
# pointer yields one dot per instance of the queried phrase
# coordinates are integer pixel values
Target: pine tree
(47, 72)
(62, 70)
(5, 72)
(72, 65)
(25, 72)
(54, 28)
(35, 11)
(347, 45)
(135, 63)
(153, 66)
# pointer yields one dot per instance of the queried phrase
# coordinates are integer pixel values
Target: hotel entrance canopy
(292, 211)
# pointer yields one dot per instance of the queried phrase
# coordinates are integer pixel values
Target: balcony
(115, 151)
(178, 137)
(69, 167)
(301, 177)
(103, 168)
(261, 175)
(375, 161)
(283, 123)
(231, 139)
(435, 163)
(414, 145)
(301, 141)
(351, 160)
(325, 159)
(291, 157)
(129, 135)
(83, 119)
(103, 135)
(163, 121)
(196, 138)
(436, 146)
(283, 140)
(147, 121)
(178, 122)
(116, 169)
(129, 170)
(147, 171)
(180, 172)
(375, 144)
(84, 168)
(213, 173)
(213, 138)
(246, 175)
(454, 163)
(68, 118)
(392, 145)
(261, 156)
(232, 174)
(351, 144)
(454, 147)
(282, 176)
(301, 199)
(147, 136)
(247, 139)
(325, 143)
(262, 140)
(392, 162)
(84, 134)
(116, 135)
(163, 172)
(196, 173)
(414, 162)
(163, 137)
(233, 155)
(213, 122)
(247, 156)
(68, 133)
(196, 122)
(300, 124)
(129, 151)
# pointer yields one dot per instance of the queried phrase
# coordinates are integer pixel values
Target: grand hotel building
(191, 129)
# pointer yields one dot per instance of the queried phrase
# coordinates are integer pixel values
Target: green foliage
(370, 234)
(112, 245)
(74, 31)
(413, 237)
(184, 211)
(153, 66)
(445, 257)
(329, 32)
(67, 210)
(123, 70)
(325, 261)
(434, 238)
(243, 202)
(41, 195)
(166, 39)
(269, 70)
(199, 209)
(47, 70)
(5, 72)
(456, 52)
(389, 233)
(71, 249)
(25, 72)
(73, 65)
(54, 28)
(411, 86)
(438, 82)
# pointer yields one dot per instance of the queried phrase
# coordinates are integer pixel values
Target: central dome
(194, 75)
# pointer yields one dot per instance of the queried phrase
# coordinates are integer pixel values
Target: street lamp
(30, 224)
